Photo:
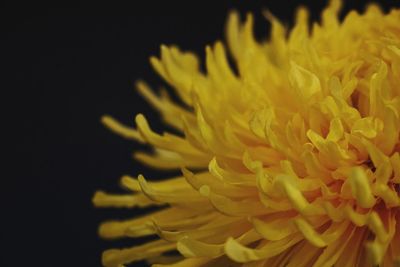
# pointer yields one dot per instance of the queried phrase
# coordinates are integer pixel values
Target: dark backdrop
(64, 68)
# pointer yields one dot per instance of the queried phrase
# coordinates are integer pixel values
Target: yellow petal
(361, 189)
(304, 82)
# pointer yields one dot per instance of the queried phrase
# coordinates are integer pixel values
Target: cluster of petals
(289, 156)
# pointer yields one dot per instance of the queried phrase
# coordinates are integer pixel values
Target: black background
(64, 68)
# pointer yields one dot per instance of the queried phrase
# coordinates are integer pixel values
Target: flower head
(292, 160)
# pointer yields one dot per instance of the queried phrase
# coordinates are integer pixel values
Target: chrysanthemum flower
(292, 160)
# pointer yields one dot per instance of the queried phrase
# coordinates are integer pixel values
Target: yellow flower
(292, 160)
